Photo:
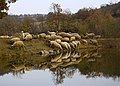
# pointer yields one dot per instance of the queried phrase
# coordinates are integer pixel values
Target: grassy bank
(32, 46)
(37, 45)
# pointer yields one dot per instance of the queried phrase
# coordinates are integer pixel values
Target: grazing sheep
(48, 37)
(55, 44)
(63, 34)
(90, 35)
(76, 35)
(58, 40)
(4, 37)
(51, 33)
(65, 39)
(97, 36)
(60, 33)
(34, 36)
(28, 37)
(84, 36)
(58, 37)
(14, 39)
(24, 34)
(53, 37)
(42, 35)
(72, 38)
(67, 35)
(94, 42)
(18, 44)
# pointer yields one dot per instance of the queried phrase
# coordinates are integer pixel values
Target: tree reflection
(60, 74)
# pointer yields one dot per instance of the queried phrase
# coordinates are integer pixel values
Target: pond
(99, 67)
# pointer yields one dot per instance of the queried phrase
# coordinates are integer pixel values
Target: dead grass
(34, 45)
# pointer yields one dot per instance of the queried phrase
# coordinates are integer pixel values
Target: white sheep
(42, 35)
(76, 35)
(51, 33)
(97, 36)
(67, 35)
(4, 37)
(58, 40)
(63, 34)
(58, 37)
(53, 37)
(84, 36)
(14, 39)
(72, 38)
(94, 42)
(55, 44)
(34, 36)
(60, 33)
(48, 37)
(28, 37)
(90, 35)
(18, 44)
(24, 34)
(65, 39)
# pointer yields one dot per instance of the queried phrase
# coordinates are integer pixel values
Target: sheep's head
(22, 31)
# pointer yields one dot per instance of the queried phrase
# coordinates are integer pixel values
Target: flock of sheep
(57, 40)
(68, 41)
(18, 41)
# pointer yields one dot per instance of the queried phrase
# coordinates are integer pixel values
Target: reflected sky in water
(45, 78)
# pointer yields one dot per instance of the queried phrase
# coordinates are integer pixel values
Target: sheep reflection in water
(67, 58)
(61, 64)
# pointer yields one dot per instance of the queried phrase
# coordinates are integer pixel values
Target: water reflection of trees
(92, 63)
(59, 74)
(107, 65)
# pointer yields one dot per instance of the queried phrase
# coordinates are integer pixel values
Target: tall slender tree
(57, 11)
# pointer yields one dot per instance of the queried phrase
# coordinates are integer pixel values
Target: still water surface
(102, 69)
(44, 78)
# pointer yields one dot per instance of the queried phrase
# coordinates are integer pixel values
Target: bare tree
(56, 8)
